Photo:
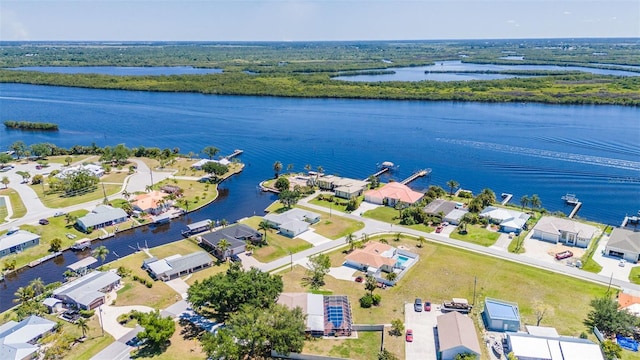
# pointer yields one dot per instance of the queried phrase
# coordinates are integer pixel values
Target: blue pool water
(402, 260)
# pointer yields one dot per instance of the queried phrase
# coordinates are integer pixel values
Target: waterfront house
(177, 265)
(17, 241)
(95, 170)
(392, 193)
(89, 291)
(236, 235)
(81, 267)
(624, 244)
(200, 163)
(449, 211)
(499, 315)
(53, 305)
(101, 216)
(153, 203)
(456, 335)
(508, 220)
(345, 188)
(292, 222)
(18, 340)
(566, 231)
(455, 215)
(171, 189)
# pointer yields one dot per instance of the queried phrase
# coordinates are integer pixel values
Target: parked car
(564, 255)
(439, 229)
(622, 262)
(427, 306)
(38, 167)
(43, 222)
(409, 335)
(359, 279)
(59, 213)
(417, 305)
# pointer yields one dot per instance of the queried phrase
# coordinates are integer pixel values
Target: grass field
(476, 235)
(74, 159)
(278, 245)
(198, 194)
(334, 227)
(184, 346)
(383, 213)
(19, 210)
(57, 201)
(444, 272)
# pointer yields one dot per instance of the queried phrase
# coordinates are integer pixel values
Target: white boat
(496, 346)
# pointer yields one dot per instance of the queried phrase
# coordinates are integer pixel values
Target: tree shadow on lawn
(150, 350)
(190, 331)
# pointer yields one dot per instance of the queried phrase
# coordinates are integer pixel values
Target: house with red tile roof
(377, 259)
(153, 203)
(391, 194)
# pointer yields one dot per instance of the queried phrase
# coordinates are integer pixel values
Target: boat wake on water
(548, 154)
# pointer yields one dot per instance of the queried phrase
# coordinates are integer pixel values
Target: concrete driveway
(313, 238)
(611, 265)
(109, 318)
(425, 338)
(179, 286)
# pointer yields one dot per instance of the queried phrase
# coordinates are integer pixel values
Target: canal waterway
(549, 150)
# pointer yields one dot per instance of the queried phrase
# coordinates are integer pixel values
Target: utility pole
(475, 282)
(101, 322)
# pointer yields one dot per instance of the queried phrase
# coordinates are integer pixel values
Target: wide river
(518, 148)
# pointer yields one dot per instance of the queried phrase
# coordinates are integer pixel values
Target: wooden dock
(382, 171)
(235, 153)
(575, 209)
(506, 198)
(416, 175)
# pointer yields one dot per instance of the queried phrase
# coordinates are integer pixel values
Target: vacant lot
(334, 227)
(19, 210)
(477, 235)
(278, 245)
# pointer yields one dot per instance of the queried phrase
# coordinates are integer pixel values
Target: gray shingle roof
(102, 214)
(235, 234)
(86, 289)
(176, 265)
(16, 238)
(625, 240)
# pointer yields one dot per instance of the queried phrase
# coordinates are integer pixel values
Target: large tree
(277, 167)
(20, 148)
(215, 169)
(226, 292)
(5, 158)
(157, 329)
(288, 198)
(452, 184)
(606, 316)
(41, 150)
(524, 201)
(282, 184)
(318, 267)
(210, 151)
(253, 332)
(264, 226)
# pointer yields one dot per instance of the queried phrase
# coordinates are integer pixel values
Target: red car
(409, 335)
(564, 255)
(427, 306)
(359, 279)
(439, 229)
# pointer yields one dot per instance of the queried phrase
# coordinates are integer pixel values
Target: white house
(101, 216)
(95, 170)
(89, 291)
(17, 241)
(552, 347)
(509, 220)
(18, 340)
(292, 222)
(198, 165)
(569, 232)
(624, 244)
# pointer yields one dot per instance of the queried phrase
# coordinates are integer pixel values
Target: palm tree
(535, 201)
(264, 226)
(249, 248)
(289, 168)
(224, 222)
(211, 151)
(524, 201)
(126, 195)
(148, 188)
(421, 241)
(277, 167)
(5, 182)
(452, 184)
(101, 252)
(83, 325)
(190, 155)
(223, 246)
(37, 285)
(307, 167)
(23, 294)
(350, 239)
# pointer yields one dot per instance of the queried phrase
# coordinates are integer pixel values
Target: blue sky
(311, 20)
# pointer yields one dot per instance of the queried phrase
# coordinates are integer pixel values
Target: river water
(549, 150)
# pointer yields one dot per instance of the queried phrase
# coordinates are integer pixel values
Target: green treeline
(30, 125)
(561, 89)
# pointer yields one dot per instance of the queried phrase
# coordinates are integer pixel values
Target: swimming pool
(402, 260)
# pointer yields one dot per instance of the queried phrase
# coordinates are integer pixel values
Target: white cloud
(11, 28)
(567, 12)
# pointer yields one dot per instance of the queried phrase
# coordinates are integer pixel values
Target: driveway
(109, 318)
(179, 286)
(611, 265)
(425, 337)
(342, 273)
(313, 238)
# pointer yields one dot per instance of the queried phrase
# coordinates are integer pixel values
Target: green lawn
(3, 214)
(337, 204)
(516, 245)
(634, 275)
(74, 159)
(365, 347)
(278, 245)
(58, 201)
(19, 210)
(421, 227)
(383, 213)
(334, 227)
(476, 235)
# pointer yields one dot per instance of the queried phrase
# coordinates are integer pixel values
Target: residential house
(392, 193)
(345, 188)
(456, 335)
(198, 165)
(328, 315)
(450, 211)
(509, 220)
(566, 231)
(501, 315)
(455, 215)
(82, 266)
(101, 216)
(154, 202)
(53, 305)
(177, 265)
(89, 291)
(548, 345)
(292, 222)
(624, 244)
(236, 235)
(93, 169)
(171, 189)
(17, 241)
(18, 340)
(629, 300)
(377, 258)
